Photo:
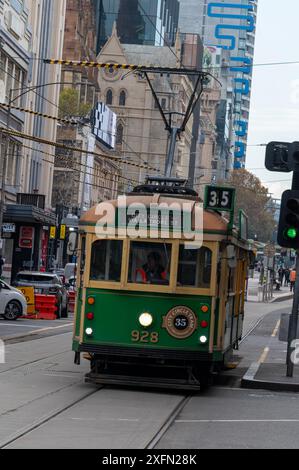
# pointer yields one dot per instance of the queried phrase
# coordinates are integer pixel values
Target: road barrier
(45, 308)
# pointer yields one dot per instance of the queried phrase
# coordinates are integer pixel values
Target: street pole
(293, 325)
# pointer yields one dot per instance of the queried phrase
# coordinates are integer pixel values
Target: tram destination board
(220, 198)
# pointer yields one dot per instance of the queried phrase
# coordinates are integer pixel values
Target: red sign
(44, 250)
(26, 237)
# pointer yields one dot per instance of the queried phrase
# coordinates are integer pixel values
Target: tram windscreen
(106, 256)
(150, 263)
(195, 267)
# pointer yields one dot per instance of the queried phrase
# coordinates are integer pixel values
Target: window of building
(195, 267)
(150, 263)
(17, 5)
(106, 256)
(119, 134)
(122, 98)
(109, 97)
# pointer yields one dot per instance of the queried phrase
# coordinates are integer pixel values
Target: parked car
(45, 284)
(12, 302)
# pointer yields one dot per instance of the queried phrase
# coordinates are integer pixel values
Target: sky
(275, 89)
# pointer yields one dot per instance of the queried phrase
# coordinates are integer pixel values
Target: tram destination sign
(220, 198)
(158, 220)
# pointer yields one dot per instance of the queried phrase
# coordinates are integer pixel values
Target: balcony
(36, 200)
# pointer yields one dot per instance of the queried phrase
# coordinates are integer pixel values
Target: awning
(28, 214)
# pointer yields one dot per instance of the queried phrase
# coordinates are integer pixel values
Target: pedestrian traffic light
(288, 229)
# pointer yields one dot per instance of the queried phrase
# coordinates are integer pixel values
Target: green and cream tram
(159, 312)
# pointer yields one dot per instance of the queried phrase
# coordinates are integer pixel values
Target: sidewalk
(268, 369)
(278, 296)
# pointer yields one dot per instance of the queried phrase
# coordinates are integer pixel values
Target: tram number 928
(144, 337)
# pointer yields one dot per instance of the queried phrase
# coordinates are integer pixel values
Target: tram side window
(106, 256)
(83, 254)
(150, 263)
(195, 267)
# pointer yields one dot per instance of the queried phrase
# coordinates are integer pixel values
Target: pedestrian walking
(287, 277)
(2, 261)
(280, 275)
(292, 279)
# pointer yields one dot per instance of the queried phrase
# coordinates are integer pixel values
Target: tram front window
(195, 267)
(106, 256)
(150, 263)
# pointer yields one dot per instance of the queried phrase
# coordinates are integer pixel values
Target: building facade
(138, 21)
(15, 42)
(47, 24)
(81, 180)
(29, 30)
(141, 136)
(231, 27)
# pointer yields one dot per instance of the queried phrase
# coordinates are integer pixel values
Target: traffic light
(279, 157)
(282, 157)
(288, 228)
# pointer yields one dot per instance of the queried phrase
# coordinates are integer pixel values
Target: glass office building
(148, 22)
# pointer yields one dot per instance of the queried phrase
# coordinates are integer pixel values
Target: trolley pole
(294, 318)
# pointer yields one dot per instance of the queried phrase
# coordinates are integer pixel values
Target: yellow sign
(62, 232)
(52, 232)
(28, 293)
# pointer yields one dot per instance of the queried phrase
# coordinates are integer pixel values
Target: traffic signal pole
(283, 157)
(293, 325)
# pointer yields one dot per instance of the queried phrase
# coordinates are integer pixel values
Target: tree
(253, 198)
(69, 104)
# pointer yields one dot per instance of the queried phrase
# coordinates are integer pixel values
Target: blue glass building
(147, 22)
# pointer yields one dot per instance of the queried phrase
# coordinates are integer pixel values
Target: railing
(36, 200)
(265, 292)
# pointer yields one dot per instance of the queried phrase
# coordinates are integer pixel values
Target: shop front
(25, 237)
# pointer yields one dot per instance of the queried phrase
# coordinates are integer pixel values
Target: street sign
(220, 198)
(26, 237)
(9, 228)
(62, 234)
(270, 251)
(52, 233)
(28, 293)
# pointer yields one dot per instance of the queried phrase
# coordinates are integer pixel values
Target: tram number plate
(144, 337)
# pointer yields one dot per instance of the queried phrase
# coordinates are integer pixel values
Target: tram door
(228, 299)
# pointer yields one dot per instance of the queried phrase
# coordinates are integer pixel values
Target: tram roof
(212, 221)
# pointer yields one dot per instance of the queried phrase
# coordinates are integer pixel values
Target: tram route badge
(180, 322)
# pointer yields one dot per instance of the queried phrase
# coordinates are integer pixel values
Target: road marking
(264, 355)
(18, 326)
(190, 421)
(275, 331)
(54, 327)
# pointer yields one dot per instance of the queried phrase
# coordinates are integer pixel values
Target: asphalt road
(26, 330)
(45, 404)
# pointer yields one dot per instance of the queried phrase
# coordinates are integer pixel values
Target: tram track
(43, 420)
(168, 423)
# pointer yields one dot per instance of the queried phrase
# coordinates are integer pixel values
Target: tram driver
(153, 271)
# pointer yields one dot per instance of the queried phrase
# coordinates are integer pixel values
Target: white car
(12, 302)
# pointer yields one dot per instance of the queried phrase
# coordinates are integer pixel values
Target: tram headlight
(146, 320)
(89, 331)
(203, 339)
